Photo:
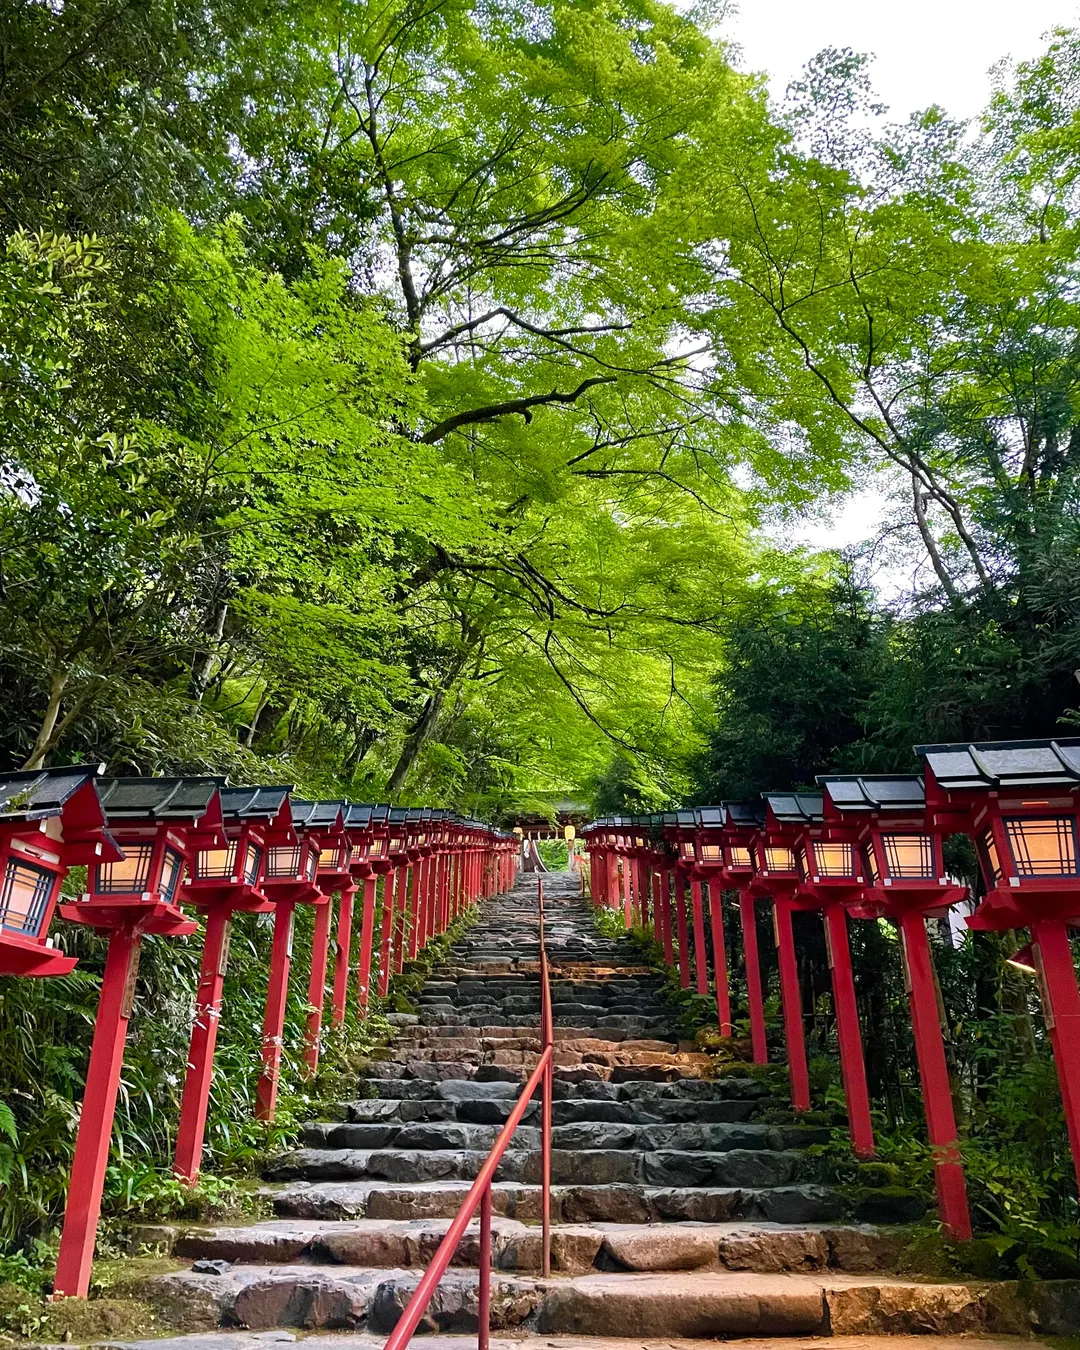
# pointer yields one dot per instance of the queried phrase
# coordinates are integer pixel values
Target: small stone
(209, 1265)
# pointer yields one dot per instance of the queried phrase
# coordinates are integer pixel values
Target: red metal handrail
(480, 1192)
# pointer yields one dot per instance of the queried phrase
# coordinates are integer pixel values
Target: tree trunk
(422, 731)
(200, 677)
(57, 685)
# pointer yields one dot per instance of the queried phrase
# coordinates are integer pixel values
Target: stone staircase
(682, 1205)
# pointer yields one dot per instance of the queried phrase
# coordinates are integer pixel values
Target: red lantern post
(369, 858)
(901, 838)
(1021, 802)
(157, 822)
(325, 823)
(722, 849)
(292, 861)
(50, 820)
(224, 880)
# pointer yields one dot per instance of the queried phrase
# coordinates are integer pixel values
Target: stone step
(343, 1340)
(804, 1203)
(593, 1090)
(488, 1111)
(734, 1167)
(575, 1248)
(679, 1304)
(585, 1135)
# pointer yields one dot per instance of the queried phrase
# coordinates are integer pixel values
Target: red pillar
(1061, 1011)
(755, 1003)
(96, 1117)
(316, 994)
(684, 937)
(852, 1062)
(367, 938)
(791, 998)
(200, 1069)
(388, 900)
(665, 916)
(934, 1077)
(419, 908)
(627, 916)
(340, 995)
(274, 1018)
(657, 909)
(723, 994)
(405, 914)
(700, 967)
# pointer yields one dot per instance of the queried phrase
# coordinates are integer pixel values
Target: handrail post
(483, 1311)
(547, 1036)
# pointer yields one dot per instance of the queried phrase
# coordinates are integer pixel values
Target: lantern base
(148, 916)
(25, 956)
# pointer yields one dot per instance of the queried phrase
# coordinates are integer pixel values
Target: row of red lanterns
(153, 845)
(871, 847)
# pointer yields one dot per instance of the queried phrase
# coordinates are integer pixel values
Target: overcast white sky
(926, 51)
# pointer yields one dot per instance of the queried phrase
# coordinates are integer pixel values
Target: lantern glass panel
(1042, 846)
(212, 864)
(834, 860)
(378, 848)
(739, 856)
(283, 862)
(779, 858)
(687, 849)
(312, 862)
(358, 853)
(908, 856)
(870, 863)
(172, 869)
(24, 901)
(130, 875)
(712, 853)
(991, 861)
(252, 864)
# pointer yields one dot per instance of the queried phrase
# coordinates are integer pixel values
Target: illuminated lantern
(898, 837)
(1020, 801)
(324, 823)
(158, 823)
(50, 820)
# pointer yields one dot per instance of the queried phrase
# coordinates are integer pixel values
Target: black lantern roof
(357, 817)
(398, 815)
(1004, 764)
(744, 815)
(316, 815)
(878, 792)
(710, 817)
(253, 803)
(795, 808)
(686, 818)
(35, 794)
(161, 799)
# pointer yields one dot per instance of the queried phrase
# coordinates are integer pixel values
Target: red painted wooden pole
(419, 909)
(934, 1077)
(96, 1117)
(755, 1003)
(657, 908)
(852, 1061)
(628, 917)
(320, 950)
(404, 914)
(700, 967)
(791, 999)
(665, 916)
(191, 1130)
(367, 939)
(1061, 1012)
(684, 937)
(723, 993)
(339, 998)
(389, 899)
(274, 1018)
